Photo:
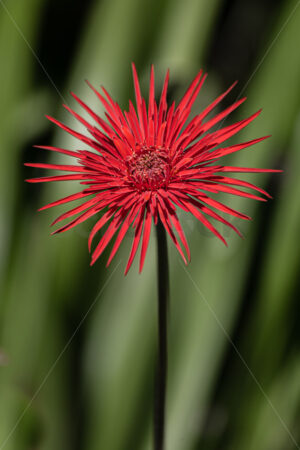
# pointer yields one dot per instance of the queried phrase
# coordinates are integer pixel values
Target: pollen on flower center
(149, 168)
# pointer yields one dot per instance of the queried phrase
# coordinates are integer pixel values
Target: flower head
(147, 162)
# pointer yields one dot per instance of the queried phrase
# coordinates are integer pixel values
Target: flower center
(148, 168)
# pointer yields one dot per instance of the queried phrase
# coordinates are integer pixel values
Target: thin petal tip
(133, 67)
(93, 260)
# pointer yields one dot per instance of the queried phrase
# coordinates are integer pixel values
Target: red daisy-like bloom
(148, 162)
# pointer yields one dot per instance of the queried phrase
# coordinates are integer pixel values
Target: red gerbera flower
(147, 163)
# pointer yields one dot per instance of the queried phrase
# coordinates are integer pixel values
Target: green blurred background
(77, 344)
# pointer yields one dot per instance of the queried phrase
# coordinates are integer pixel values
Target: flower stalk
(162, 353)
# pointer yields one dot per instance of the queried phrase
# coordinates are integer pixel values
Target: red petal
(136, 239)
(161, 134)
(58, 178)
(248, 169)
(69, 198)
(219, 136)
(104, 241)
(189, 92)
(146, 236)
(210, 107)
(77, 209)
(181, 234)
(203, 219)
(215, 216)
(57, 149)
(145, 120)
(234, 191)
(186, 112)
(207, 125)
(129, 136)
(66, 168)
(77, 135)
(222, 207)
(97, 227)
(135, 121)
(169, 120)
(86, 215)
(196, 91)
(122, 232)
(164, 217)
(225, 133)
(138, 97)
(233, 181)
(235, 148)
(81, 119)
(163, 100)
(151, 107)
(110, 109)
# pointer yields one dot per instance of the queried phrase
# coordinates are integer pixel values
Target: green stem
(162, 357)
